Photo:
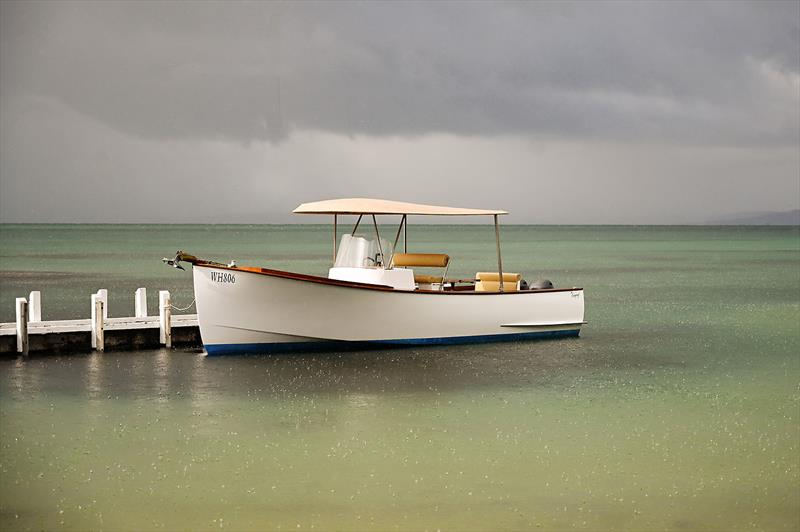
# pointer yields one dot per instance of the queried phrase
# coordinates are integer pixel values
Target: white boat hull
(241, 310)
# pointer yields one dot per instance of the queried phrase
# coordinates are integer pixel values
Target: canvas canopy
(379, 206)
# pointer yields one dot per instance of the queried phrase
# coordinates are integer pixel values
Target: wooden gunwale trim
(365, 286)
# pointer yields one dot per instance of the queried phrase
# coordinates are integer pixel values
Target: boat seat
(423, 260)
(490, 282)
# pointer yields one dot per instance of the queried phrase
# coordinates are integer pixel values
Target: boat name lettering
(223, 277)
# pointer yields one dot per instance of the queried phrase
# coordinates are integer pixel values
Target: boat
(374, 294)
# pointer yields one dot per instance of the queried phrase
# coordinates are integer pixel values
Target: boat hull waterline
(255, 310)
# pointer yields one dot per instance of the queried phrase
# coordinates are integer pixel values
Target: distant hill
(762, 218)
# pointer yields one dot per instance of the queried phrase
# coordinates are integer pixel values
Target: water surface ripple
(676, 409)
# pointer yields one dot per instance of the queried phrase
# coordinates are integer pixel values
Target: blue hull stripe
(337, 345)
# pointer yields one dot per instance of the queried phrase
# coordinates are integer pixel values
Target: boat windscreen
(356, 251)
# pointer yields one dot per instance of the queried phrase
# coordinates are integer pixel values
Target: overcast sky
(589, 112)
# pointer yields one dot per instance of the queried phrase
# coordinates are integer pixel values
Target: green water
(678, 407)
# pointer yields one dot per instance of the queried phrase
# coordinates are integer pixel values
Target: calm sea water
(678, 407)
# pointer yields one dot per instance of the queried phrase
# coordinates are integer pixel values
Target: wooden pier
(29, 334)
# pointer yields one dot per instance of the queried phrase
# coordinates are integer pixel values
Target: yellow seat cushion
(494, 276)
(494, 286)
(427, 260)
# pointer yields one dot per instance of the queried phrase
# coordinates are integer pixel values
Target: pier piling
(98, 322)
(165, 318)
(140, 302)
(22, 326)
(101, 295)
(35, 307)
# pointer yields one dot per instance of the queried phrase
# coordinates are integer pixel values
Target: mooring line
(184, 308)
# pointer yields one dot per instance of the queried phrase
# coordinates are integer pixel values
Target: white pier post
(35, 306)
(165, 318)
(103, 296)
(140, 302)
(98, 336)
(22, 325)
(94, 320)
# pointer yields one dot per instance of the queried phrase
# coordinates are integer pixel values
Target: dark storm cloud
(590, 112)
(712, 72)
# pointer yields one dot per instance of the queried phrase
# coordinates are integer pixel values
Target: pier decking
(30, 334)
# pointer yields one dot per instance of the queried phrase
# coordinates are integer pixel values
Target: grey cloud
(711, 72)
(590, 112)
(79, 170)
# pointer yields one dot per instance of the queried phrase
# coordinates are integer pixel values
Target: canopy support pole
(499, 258)
(380, 248)
(335, 230)
(399, 228)
(405, 234)
(356, 227)
(397, 236)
